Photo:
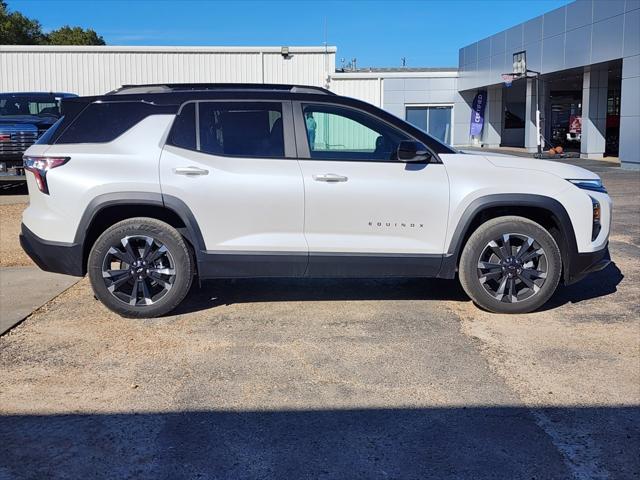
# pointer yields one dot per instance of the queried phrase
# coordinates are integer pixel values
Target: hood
(562, 170)
(483, 154)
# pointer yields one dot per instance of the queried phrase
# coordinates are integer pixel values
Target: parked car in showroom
(150, 186)
(24, 117)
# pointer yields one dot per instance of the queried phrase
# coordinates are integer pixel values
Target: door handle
(190, 171)
(330, 177)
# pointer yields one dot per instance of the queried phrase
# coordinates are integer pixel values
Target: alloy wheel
(139, 270)
(512, 268)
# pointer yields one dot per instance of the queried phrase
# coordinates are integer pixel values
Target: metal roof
(165, 49)
(398, 69)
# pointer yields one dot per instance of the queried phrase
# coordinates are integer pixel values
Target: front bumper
(57, 257)
(12, 167)
(579, 265)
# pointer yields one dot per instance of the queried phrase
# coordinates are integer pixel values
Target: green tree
(74, 36)
(16, 29)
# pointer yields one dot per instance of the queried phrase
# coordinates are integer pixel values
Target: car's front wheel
(140, 267)
(510, 265)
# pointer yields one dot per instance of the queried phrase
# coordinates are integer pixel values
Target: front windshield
(38, 105)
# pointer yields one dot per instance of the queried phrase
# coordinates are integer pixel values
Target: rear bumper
(54, 257)
(582, 264)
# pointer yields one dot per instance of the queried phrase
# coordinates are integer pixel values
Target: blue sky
(377, 33)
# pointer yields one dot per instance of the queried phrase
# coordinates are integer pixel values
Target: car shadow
(214, 293)
(595, 285)
(465, 442)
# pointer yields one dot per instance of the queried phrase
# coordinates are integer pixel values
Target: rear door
(233, 164)
(367, 214)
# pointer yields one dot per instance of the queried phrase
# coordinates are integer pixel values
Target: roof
(377, 73)
(164, 49)
(233, 87)
(32, 94)
(166, 95)
(399, 69)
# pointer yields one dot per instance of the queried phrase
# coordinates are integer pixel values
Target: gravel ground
(334, 379)
(11, 254)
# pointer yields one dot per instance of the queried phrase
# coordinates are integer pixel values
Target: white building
(95, 70)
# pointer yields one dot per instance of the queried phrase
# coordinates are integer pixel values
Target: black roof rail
(181, 87)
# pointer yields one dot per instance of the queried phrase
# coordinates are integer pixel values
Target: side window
(339, 133)
(243, 129)
(183, 132)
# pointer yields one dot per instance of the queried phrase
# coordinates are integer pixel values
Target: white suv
(148, 186)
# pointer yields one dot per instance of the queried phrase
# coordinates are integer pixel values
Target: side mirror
(412, 151)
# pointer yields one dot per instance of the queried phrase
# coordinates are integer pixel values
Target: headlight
(593, 185)
(597, 216)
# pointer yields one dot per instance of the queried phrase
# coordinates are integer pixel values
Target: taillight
(39, 166)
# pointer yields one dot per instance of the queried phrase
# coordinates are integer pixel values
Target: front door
(366, 213)
(233, 164)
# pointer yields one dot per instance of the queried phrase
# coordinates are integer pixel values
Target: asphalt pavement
(334, 379)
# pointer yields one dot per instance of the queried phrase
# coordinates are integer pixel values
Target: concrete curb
(25, 289)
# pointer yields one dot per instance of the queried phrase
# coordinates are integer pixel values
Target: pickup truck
(24, 117)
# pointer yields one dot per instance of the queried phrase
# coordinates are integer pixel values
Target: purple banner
(477, 113)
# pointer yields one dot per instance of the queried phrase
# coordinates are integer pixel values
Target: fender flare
(568, 249)
(174, 204)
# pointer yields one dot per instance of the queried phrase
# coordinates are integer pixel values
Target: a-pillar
(594, 112)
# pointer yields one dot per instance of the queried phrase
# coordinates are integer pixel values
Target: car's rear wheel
(140, 267)
(510, 265)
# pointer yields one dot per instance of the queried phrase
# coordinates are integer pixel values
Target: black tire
(160, 283)
(532, 282)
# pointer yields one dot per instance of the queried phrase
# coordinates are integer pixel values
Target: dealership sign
(477, 113)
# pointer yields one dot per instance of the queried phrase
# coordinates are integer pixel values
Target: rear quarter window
(104, 122)
(47, 137)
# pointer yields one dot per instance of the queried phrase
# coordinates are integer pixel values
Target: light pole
(538, 129)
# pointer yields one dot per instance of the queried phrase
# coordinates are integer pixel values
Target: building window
(434, 119)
